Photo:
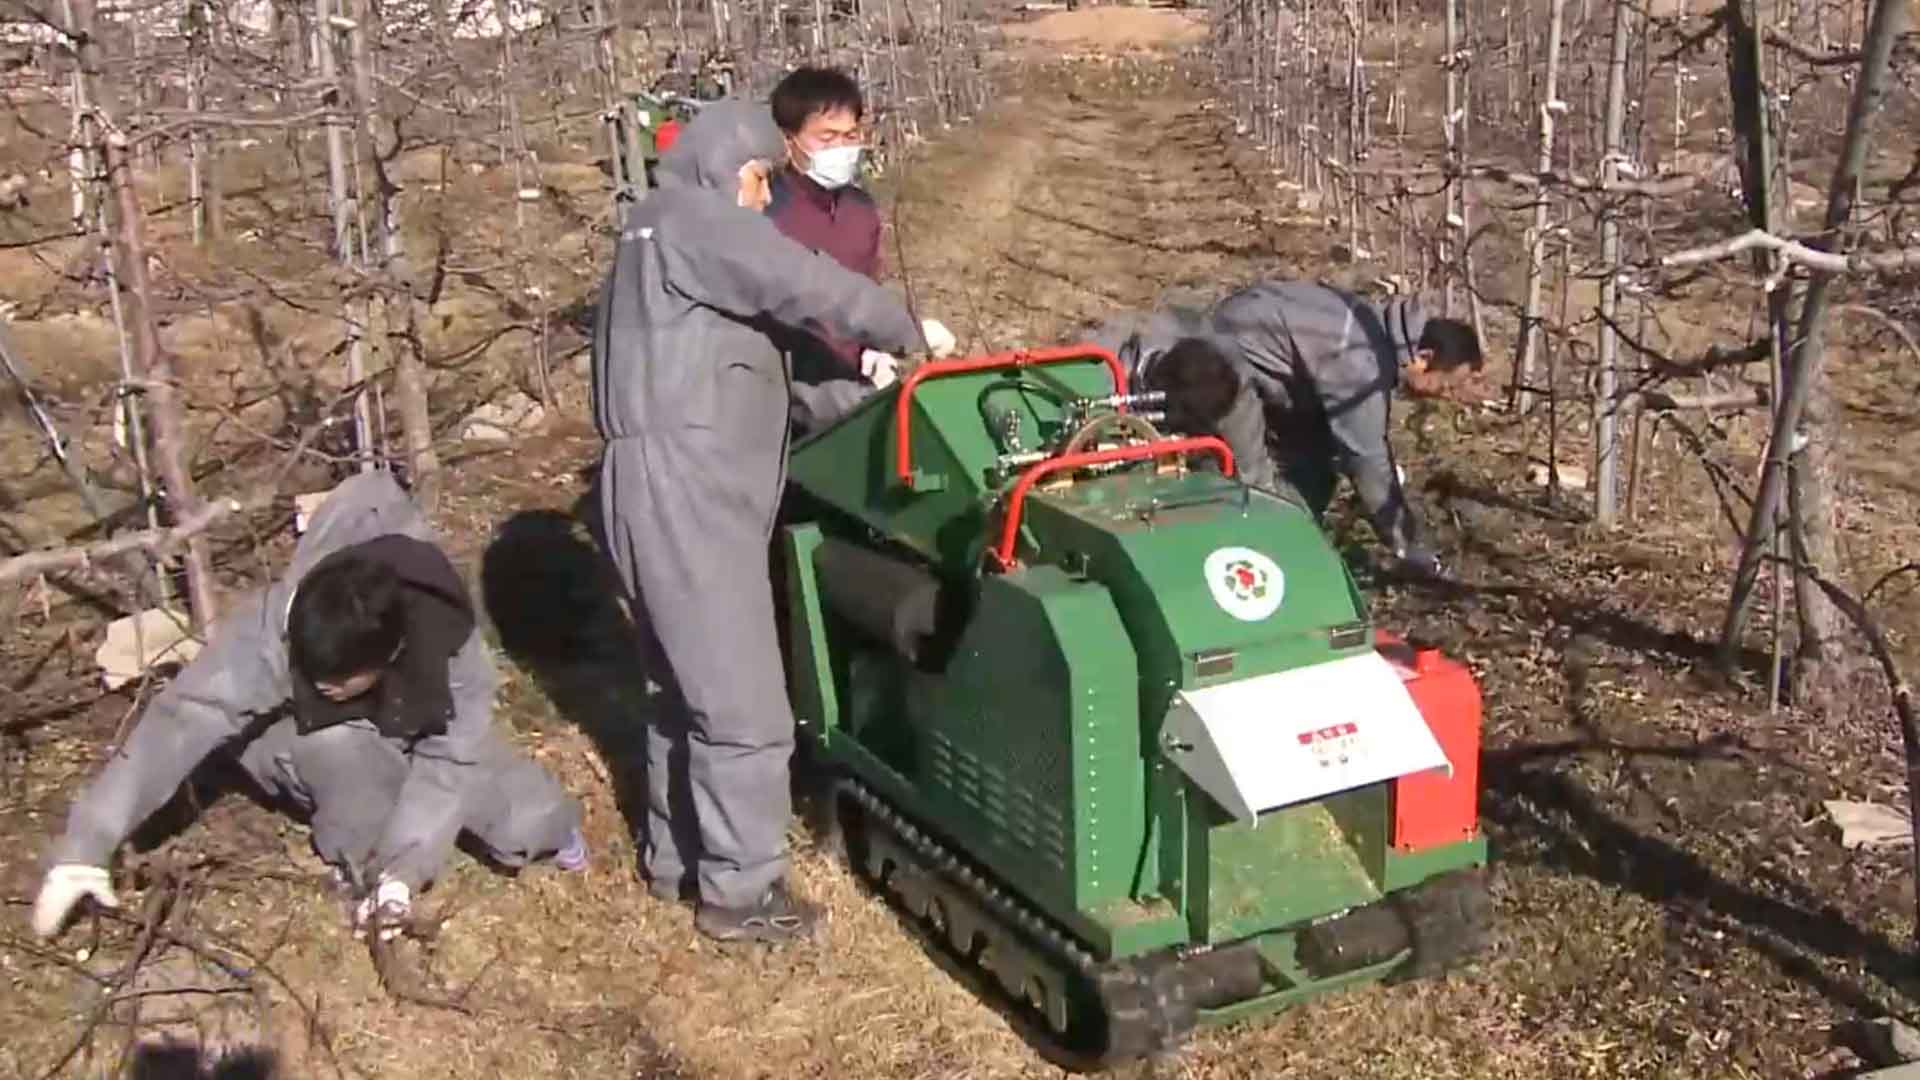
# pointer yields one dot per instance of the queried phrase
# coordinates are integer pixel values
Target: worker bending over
(691, 394)
(389, 747)
(816, 201)
(1298, 377)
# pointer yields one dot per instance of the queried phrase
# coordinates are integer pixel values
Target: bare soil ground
(1114, 27)
(1670, 902)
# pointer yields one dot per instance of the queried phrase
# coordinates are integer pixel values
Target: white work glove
(940, 340)
(63, 888)
(391, 901)
(880, 369)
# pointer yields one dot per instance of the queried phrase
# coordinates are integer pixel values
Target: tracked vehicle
(1112, 725)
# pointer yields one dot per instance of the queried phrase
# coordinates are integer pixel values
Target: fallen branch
(1886, 320)
(401, 983)
(153, 913)
(1747, 397)
(1899, 690)
(1878, 262)
(1896, 572)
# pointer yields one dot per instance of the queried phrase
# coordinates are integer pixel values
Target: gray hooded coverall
(378, 805)
(1322, 365)
(692, 396)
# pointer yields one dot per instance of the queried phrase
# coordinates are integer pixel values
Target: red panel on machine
(666, 135)
(1433, 808)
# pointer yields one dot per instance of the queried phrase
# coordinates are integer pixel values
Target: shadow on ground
(1545, 815)
(187, 1061)
(554, 600)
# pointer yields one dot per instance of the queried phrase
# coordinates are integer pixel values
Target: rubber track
(1138, 1014)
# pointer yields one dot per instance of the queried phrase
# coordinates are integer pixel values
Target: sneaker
(778, 918)
(573, 857)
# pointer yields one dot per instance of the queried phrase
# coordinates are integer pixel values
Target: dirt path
(1094, 189)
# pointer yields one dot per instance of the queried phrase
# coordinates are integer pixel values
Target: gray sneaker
(778, 918)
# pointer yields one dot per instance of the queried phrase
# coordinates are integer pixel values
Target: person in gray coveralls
(1299, 377)
(356, 688)
(692, 396)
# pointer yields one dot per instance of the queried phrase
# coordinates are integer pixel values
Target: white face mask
(834, 167)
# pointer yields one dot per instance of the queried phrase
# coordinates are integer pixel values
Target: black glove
(1421, 563)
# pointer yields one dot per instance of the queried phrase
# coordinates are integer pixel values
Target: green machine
(1110, 724)
(644, 126)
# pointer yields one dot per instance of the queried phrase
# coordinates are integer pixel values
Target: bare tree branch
(159, 541)
(1793, 251)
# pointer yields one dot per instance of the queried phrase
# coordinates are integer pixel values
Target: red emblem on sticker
(1308, 738)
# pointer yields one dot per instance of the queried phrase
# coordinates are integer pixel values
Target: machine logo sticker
(1246, 584)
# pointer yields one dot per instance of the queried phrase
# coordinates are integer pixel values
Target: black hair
(1454, 344)
(346, 618)
(809, 91)
(1200, 384)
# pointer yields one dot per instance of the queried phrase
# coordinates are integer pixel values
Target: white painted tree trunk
(342, 202)
(1606, 434)
(1532, 327)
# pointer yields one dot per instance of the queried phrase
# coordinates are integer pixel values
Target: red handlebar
(1017, 499)
(903, 404)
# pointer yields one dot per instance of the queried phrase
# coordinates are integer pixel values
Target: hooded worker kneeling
(357, 689)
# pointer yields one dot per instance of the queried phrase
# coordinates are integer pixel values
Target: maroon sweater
(844, 225)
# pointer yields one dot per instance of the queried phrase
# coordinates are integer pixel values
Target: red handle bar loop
(1017, 499)
(933, 369)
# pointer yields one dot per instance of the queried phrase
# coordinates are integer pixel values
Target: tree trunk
(1606, 409)
(1824, 668)
(341, 201)
(1454, 222)
(1805, 368)
(156, 367)
(153, 363)
(1757, 151)
(397, 314)
(1526, 368)
(199, 165)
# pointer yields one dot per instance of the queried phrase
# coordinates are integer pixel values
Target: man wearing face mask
(817, 202)
(691, 394)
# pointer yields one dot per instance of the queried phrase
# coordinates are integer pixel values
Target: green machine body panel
(1031, 741)
(941, 514)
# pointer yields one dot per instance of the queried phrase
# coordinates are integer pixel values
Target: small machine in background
(644, 123)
